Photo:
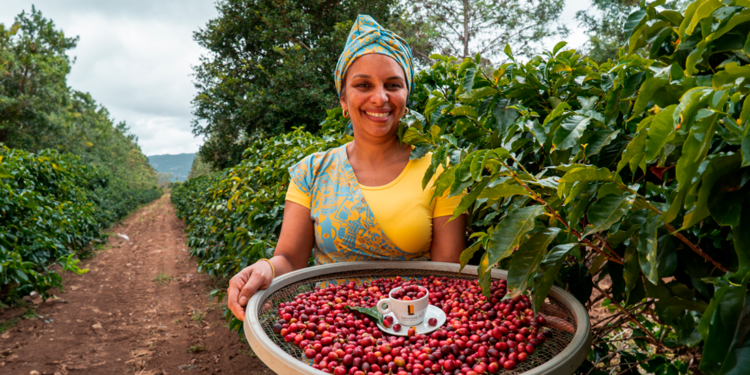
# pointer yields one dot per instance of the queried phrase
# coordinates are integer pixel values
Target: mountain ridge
(177, 164)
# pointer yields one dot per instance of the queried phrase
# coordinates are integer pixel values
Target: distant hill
(177, 165)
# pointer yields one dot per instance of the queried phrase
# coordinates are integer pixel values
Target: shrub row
(53, 207)
(633, 171)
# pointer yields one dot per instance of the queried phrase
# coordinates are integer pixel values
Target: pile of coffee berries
(481, 335)
(409, 292)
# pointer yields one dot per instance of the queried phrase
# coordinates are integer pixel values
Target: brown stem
(607, 245)
(695, 248)
(557, 216)
(632, 319)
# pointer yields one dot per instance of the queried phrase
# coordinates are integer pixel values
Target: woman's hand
(244, 284)
(292, 252)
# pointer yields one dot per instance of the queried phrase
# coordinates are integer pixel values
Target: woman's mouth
(378, 115)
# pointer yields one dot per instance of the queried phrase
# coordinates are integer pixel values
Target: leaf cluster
(632, 171)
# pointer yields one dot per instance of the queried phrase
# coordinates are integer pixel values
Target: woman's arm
(448, 239)
(292, 253)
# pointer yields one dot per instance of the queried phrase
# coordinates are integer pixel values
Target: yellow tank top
(401, 207)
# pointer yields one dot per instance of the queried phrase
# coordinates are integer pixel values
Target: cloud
(135, 58)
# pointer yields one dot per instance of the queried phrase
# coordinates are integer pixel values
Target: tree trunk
(466, 28)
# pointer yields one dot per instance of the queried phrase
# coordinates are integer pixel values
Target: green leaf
(632, 272)
(634, 153)
(704, 10)
(600, 139)
(570, 131)
(557, 47)
(588, 173)
(509, 231)
(646, 93)
(694, 150)
(525, 261)
(547, 273)
(467, 254)
(647, 247)
(469, 79)
(730, 74)
(503, 190)
(478, 163)
(372, 312)
(635, 20)
(745, 114)
(508, 52)
(660, 132)
(720, 326)
(464, 169)
(465, 110)
(469, 199)
(713, 169)
(556, 112)
(608, 210)
(413, 136)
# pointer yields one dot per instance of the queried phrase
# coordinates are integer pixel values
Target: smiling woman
(363, 200)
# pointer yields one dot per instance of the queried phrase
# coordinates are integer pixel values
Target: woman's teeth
(378, 114)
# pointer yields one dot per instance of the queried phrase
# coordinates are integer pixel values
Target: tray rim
(281, 362)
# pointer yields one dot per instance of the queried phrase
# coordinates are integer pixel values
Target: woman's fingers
(235, 287)
(257, 281)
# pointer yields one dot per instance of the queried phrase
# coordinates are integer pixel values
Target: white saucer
(424, 328)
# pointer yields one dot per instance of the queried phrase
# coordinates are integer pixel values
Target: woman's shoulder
(320, 158)
(304, 172)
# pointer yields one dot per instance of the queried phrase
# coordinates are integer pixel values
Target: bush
(234, 216)
(633, 171)
(52, 206)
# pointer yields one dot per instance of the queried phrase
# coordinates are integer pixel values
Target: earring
(346, 114)
(406, 112)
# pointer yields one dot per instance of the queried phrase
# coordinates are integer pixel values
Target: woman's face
(375, 93)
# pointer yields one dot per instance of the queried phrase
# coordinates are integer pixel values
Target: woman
(363, 200)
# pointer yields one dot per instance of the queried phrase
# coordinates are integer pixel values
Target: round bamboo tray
(560, 355)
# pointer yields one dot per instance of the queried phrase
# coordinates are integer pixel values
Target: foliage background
(67, 170)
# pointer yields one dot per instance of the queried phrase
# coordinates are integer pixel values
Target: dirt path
(141, 309)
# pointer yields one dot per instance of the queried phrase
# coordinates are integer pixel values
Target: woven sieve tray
(560, 355)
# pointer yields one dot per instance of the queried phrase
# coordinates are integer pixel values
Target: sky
(135, 57)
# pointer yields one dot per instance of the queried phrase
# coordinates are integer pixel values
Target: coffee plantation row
(624, 182)
(53, 208)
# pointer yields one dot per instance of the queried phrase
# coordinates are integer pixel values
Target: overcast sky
(135, 58)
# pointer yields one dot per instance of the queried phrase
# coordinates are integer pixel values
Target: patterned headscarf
(367, 37)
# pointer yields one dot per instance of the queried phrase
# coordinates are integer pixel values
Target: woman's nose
(379, 96)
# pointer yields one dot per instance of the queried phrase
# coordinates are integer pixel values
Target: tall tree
(604, 23)
(33, 67)
(269, 68)
(464, 28)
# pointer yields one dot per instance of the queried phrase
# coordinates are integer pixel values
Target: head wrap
(367, 37)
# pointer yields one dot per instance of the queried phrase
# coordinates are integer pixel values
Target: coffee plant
(623, 182)
(234, 217)
(48, 215)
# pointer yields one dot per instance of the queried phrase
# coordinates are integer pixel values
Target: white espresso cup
(408, 313)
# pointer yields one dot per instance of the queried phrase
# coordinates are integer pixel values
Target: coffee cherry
(432, 322)
(397, 327)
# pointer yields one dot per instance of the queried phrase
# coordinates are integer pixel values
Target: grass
(4, 326)
(196, 348)
(162, 278)
(177, 321)
(197, 316)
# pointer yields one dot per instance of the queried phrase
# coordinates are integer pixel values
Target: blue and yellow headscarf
(367, 37)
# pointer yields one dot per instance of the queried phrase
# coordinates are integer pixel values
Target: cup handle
(380, 307)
